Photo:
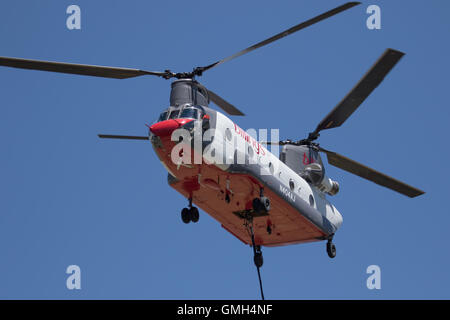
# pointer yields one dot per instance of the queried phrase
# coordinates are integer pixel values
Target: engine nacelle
(314, 173)
(329, 186)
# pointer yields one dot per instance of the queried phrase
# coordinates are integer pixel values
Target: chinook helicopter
(263, 200)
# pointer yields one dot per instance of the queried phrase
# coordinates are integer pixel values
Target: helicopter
(260, 198)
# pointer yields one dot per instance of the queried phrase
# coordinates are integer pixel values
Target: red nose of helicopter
(165, 128)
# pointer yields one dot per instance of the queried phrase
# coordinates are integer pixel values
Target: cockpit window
(189, 113)
(174, 114)
(162, 116)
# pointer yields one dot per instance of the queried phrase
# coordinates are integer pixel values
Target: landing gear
(190, 214)
(195, 215)
(261, 204)
(331, 248)
(186, 215)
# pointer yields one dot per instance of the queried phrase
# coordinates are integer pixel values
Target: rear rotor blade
(81, 69)
(283, 34)
(113, 136)
(274, 143)
(224, 105)
(365, 172)
(361, 91)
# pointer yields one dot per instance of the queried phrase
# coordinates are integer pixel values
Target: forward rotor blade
(224, 105)
(361, 91)
(279, 143)
(284, 33)
(365, 172)
(113, 136)
(81, 69)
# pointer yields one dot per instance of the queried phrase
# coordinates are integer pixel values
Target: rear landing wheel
(331, 249)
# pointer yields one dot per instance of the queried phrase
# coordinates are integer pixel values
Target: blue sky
(68, 198)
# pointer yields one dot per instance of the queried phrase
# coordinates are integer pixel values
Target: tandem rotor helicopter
(286, 206)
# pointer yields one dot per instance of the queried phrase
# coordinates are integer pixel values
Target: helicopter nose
(165, 128)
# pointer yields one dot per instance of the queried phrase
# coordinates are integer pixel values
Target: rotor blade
(361, 170)
(226, 106)
(274, 143)
(284, 33)
(361, 91)
(113, 136)
(280, 143)
(81, 69)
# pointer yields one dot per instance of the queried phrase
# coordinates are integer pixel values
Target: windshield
(189, 113)
(162, 116)
(174, 114)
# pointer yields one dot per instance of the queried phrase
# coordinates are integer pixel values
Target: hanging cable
(257, 259)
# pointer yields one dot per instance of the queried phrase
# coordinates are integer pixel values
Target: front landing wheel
(195, 215)
(186, 215)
